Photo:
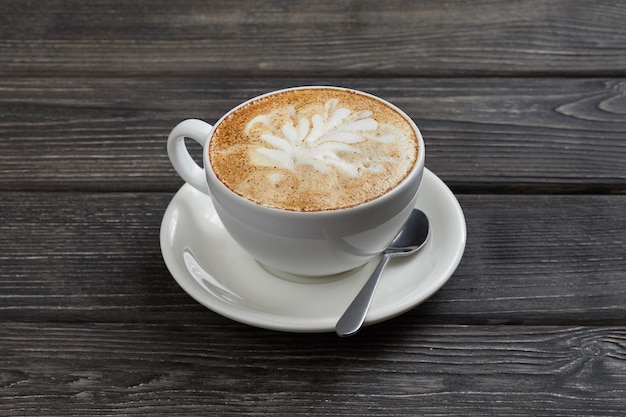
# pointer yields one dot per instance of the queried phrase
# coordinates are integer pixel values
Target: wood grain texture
(322, 38)
(122, 370)
(523, 108)
(529, 260)
(481, 134)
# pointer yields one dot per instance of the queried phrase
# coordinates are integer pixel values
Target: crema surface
(313, 149)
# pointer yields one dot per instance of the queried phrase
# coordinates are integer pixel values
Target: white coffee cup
(304, 243)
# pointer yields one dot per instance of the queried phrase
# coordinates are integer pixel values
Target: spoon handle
(353, 318)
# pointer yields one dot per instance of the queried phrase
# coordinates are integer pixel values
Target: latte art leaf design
(323, 141)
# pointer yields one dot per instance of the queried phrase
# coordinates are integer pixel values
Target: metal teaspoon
(409, 240)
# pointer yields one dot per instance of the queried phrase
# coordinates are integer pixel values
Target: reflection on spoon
(409, 240)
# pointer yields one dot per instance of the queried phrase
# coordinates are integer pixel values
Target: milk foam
(313, 149)
(319, 142)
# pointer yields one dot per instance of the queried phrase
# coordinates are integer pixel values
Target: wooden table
(523, 109)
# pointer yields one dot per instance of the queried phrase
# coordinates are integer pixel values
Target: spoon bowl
(410, 239)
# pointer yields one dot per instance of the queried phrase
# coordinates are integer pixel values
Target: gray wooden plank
(321, 38)
(193, 369)
(529, 256)
(533, 259)
(481, 134)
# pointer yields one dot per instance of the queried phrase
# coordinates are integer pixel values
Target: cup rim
(214, 181)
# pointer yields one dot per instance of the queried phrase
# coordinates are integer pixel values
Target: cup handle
(183, 163)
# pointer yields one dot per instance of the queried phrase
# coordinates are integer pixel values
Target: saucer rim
(263, 320)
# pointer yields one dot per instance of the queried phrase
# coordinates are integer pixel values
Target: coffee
(313, 149)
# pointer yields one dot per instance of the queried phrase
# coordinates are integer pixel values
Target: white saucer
(217, 273)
